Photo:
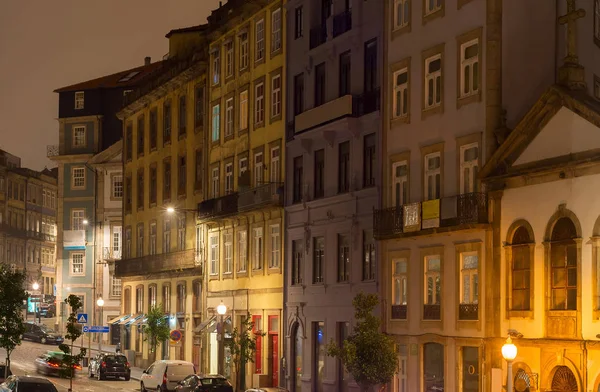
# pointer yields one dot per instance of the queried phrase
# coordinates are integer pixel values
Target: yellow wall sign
(431, 209)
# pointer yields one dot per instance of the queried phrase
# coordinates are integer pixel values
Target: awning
(132, 319)
(204, 324)
(118, 319)
(140, 321)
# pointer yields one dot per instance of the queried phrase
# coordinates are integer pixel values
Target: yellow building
(163, 164)
(242, 219)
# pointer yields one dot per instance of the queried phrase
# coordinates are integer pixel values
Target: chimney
(147, 60)
(220, 4)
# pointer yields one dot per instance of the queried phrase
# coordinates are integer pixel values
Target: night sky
(47, 44)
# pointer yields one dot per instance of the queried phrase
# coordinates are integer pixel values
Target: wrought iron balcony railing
(108, 253)
(218, 207)
(342, 22)
(467, 208)
(367, 102)
(399, 312)
(432, 312)
(468, 312)
(52, 150)
(260, 196)
(318, 35)
(164, 262)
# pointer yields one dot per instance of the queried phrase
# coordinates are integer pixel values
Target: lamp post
(36, 287)
(509, 352)
(221, 310)
(100, 303)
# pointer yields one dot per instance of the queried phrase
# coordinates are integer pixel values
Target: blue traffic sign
(82, 318)
(96, 328)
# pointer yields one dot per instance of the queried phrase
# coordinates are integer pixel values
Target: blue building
(88, 125)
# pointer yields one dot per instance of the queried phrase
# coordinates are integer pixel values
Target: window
(370, 61)
(151, 297)
(216, 123)
(229, 117)
(181, 226)
(470, 370)
(244, 110)
(344, 167)
(297, 262)
(275, 165)
(244, 51)
(216, 67)
(181, 293)
(78, 174)
(400, 183)
(139, 300)
(167, 122)
(432, 176)
(369, 264)
(198, 171)
(563, 263)
(167, 235)
(117, 187)
(298, 94)
(319, 350)
(167, 179)
(115, 286)
(400, 97)
(274, 261)
(242, 251)
(182, 120)
(343, 267)
(469, 168)
(228, 178)
(276, 96)
(243, 166)
(77, 218)
(214, 254)
(369, 158)
(433, 365)
(77, 263)
(256, 327)
(79, 136)
(128, 242)
(215, 182)
(401, 13)
(345, 74)
(469, 64)
(140, 240)
(116, 242)
(128, 194)
(153, 185)
(320, 84)
(259, 103)
(197, 297)
(258, 248)
(469, 285)
(432, 6)
(199, 107)
(597, 86)
(521, 273)
(298, 22)
(182, 175)
(140, 135)
(433, 280)
(400, 282)
(259, 171)
(433, 81)
(229, 59)
(276, 30)
(228, 250)
(166, 298)
(319, 177)
(259, 34)
(597, 20)
(79, 99)
(140, 188)
(298, 180)
(318, 259)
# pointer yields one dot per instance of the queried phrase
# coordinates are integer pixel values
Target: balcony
(468, 312)
(432, 312)
(218, 207)
(108, 253)
(318, 36)
(261, 196)
(342, 23)
(399, 312)
(431, 216)
(153, 264)
(367, 102)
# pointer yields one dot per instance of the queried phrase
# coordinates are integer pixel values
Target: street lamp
(170, 210)
(100, 303)
(509, 352)
(85, 222)
(36, 287)
(221, 310)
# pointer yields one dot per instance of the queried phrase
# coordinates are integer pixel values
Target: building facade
(241, 223)
(333, 133)
(163, 155)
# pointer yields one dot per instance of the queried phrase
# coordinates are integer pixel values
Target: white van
(164, 375)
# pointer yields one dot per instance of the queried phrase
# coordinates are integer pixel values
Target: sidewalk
(136, 373)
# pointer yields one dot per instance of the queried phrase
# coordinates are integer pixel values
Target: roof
(190, 29)
(127, 78)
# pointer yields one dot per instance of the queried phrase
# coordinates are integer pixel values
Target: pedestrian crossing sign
(82, 318)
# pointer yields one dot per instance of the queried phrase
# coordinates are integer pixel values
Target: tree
(368, 354)
(70, 360)
(156, 329)
(12, 296)
(242, 346)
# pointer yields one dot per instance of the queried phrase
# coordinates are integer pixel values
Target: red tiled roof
(112, 81)
(187, 29)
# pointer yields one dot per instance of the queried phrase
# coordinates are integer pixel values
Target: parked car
(46, 310)
(109, 365)
(27, 384)
(204, 383)
(266, 389)
(41, 333)
(164, 375)
(50, 364)
(2, 371)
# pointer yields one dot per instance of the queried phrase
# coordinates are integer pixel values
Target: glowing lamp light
(100, 302)
(170, 210)
(221, 309)
(509, 350)
(85, 222)
(36, 286)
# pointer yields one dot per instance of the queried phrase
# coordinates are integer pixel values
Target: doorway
(296, 358)
(564, 380)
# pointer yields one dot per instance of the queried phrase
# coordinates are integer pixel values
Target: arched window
(433, 367)
(522, 382)
(563, 265)
(521, 269)
(197, 296)
(127, 300)
(151, 296)
(180, 298)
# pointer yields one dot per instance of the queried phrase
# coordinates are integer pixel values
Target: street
(22, 363)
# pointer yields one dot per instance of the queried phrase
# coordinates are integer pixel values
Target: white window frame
(275, 172)
(244, 109)
(116, 242)
(229, 178)
(433, 274)
(116, 189)
(399, 182)
(400, 97)
(244, 52)
(399, 282)
(228, 253)
(259, 36)
(77, 218)
(437, 5)
(78, 177)
(276, 30)
(432, 78)
(216, 123)
(80, 256)
(116, 286)
(229, 59)
(79, 136)
(243, 166)
(275, 259)
(404, 7)
(181, 229)
(229, 117)
(214, 253)
(259, 103)
(432, 173)
(215, 182)
(216, 67)
(275, 96)
(471, 274)
(469, 64)
(468, 185)
(242, 251)
(79, 100)
(258, 248)
(259, 171)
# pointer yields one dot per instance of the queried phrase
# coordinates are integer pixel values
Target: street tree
(69, 359)
(156, 329)
(242, 346)
(367, 354)
(12, 296)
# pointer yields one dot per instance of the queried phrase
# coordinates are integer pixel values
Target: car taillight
(78, 367)
(103, 364)
(165, 379)
(126, 364)
(54, 365)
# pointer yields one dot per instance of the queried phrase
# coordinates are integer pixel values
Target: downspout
(556, 12)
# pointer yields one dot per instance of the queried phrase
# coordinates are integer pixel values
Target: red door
(275, 360)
